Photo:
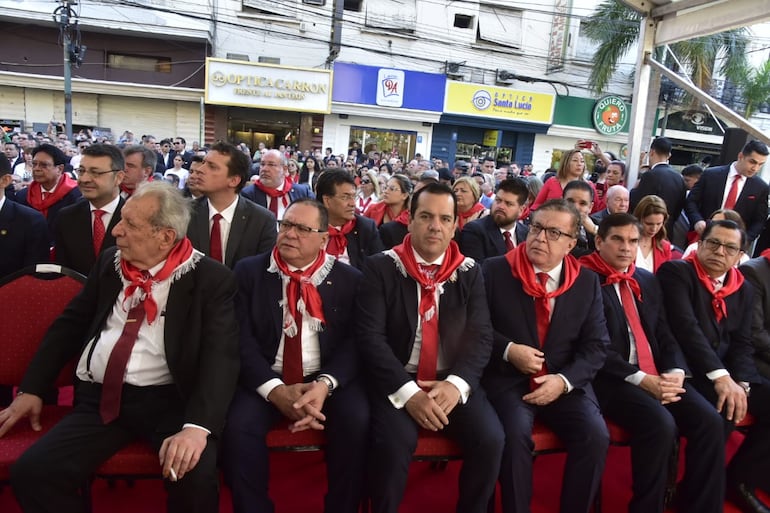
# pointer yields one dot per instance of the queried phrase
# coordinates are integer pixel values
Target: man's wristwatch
(326, 381)
(746, 387)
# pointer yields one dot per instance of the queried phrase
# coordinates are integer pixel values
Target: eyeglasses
(44, 165)
(364, 182)
(347, 198)
(302, 230)
(94, 173)
(552, 234)
(393, 188)
(713, 245)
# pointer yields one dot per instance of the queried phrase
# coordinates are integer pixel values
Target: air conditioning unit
(505, 77)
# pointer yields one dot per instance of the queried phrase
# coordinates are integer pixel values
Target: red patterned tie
(426, 368)
(508, 241)
(643, 351)
(292, 353)
(99, 231)
(273, 205)
(542, 314)
(112, 384)
(215, 241)
(732, 195)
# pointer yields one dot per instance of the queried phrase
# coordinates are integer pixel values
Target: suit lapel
(273, 284)
(409, 294)
(494, 234)
(176, 313)
(200, 226)
(237, 229)
(109, 239)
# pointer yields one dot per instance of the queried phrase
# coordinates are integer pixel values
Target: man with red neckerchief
(550, 339)
(424, 335)
(352, 237)
(51, 189)
(709, 308)
(274, 190)
(642, 384)
(156, 341)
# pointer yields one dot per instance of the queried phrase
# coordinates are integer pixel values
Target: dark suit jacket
(298, 190)
(481, 238)
(661, 181)
(363, 241)
(392, 234)
(200, 336)
(665, 349)
(387, 322)
(253, 230)
(23, 237)
(186, 156)
(261, 318)
(74, 241)
(708, 346)
(757, 271)
(576, 344)
(598, 216)
(70, 198)
(304, 175)
(706, 197)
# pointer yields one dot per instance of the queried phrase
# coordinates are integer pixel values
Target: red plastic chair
(31, 299)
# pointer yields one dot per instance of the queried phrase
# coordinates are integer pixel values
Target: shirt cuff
(636, 378)
(716, 374)
(196, 426)
(332, 379)
(400, 397)
(505, 353)
(676, 370)
(566, 382)
(265, 388)
(462, 386)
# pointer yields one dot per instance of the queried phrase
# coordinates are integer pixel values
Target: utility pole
(65, 16)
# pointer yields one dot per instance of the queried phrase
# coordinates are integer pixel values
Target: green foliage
(755, 86)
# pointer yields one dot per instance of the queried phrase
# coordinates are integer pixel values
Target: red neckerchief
(462, 217)
(295, 178)
(427, 308)
(600, 266)
(733, 281)
(337, 240)
(275, 193)
(130, 192)
(179, 254)
(402, 218)
(376, 212)
(35, 194)
(301, 289)
(766, 254)
(363, 203)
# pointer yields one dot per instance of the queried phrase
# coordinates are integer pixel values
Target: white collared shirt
(109, 211)
(225, 223)
(729, 183)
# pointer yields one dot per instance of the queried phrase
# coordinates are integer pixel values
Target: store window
(390, 142)
(467, 151)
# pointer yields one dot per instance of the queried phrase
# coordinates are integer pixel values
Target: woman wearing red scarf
(395, 202)
(468, 193)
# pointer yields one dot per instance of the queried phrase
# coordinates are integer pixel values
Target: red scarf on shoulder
(733, 282)
(275, 193)
(377, 211)
(301, 295)
(600, 266)
(35, 194)
(337, 240)
(463, 217)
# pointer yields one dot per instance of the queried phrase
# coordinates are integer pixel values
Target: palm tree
(754, 85)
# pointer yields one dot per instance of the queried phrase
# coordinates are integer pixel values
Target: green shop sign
(610, 115)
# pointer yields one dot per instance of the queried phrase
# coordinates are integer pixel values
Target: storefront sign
(491, 138)
(388, 87)
(498, 102)
(610, 115)
(266, 86)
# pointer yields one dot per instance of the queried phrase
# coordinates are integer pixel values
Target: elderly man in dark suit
(274, 190)
(297, 363)
(23, 230)
(642, 384)
(351, 237)
(156, 340)
(736, 187)
(226, 226)
(709, 309)
(499, 232)
(545, 356)
(84, 229)
(424, 335)
(661, 180)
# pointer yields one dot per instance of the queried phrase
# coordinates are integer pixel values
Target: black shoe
(743, 496)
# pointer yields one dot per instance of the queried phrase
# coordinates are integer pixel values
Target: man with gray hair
(275, 190)
(617, 201)
(156, 342)
(139, 165)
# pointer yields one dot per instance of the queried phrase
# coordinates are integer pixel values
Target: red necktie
(732, 196)
(508, 241)
(426, 368)
(292, 354)
(99, 231)
(542, 314)
(274, 205)
(215, 241)
(112, 384)
(643, 351)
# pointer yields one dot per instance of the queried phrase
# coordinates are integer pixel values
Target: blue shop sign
(388, 87)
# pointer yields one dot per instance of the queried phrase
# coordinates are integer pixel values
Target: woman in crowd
(572, 167)
(293, 166)
(467, 192)
(369, 192)
(654, 249)
(395, 202)
(310, 166)
(178, 170)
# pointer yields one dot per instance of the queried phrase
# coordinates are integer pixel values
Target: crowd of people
(231, 291)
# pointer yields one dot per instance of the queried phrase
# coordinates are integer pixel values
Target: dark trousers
(654, 429)
(576, 420)
(48, 476)
(245, 457)
(394, 438)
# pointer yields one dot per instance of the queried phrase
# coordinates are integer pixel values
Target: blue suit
(298, 190)
(70, 198)
(23, 237)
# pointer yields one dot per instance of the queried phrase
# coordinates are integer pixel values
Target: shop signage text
(499, 102)
(610, 115)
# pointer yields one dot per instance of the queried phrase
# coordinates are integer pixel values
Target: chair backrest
(30, 300)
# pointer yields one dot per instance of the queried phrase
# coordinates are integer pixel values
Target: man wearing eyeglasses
(52, 189)
(179, 147)
(84, 229)
(275, 190)
(709, 308)
(295, 308)
(550, 341)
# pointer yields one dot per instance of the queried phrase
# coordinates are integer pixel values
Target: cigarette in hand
(172, 473)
